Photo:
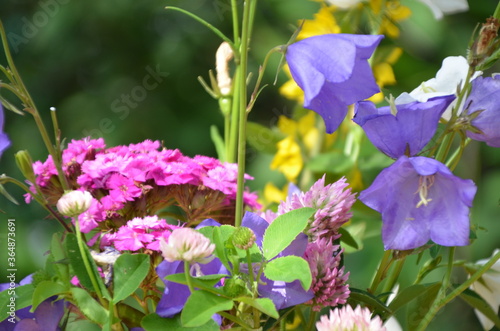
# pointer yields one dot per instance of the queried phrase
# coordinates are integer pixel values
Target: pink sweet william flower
(328, 278)
(347, 319)
(186, 244)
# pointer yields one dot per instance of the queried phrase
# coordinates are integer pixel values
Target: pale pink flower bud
(74, 203)
(186, 244)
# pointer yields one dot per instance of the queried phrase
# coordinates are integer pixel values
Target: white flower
(452, 74)
(74, 203)
(344, 4)
(441, 7)
(186, 244)
(489, 289)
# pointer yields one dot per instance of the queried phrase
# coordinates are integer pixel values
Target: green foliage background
(85, 57)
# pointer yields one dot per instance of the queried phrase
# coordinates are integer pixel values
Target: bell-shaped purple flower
(4, 140)
(421, 200)
(333, 72)
(485, 97)
(407, 131)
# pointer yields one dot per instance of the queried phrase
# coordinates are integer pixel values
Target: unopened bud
(234, 287)
(74, 203)
(223, 55)
(243, 238)
(25, 164)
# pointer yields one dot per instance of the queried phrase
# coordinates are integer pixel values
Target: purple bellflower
(406, 132)
(333, 72)
(484, 97)
(4, 140)
(420, 200)
(46, 316)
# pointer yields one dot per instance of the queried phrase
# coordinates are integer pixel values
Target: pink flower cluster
(329, 281)
(140, 179)
(140, 233)
(348, 319)
(333, 203)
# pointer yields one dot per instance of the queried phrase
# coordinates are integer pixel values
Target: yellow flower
(384, 75)
(288, 159)
(323, 23)
(389, 12)
(272, 194)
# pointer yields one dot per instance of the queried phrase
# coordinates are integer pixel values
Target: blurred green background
(89, 59)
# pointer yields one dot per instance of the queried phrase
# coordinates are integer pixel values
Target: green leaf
(264, 305)
(76, 262)
(45, 290)
(360, 296)
(477, 302)
(21, 294)
(262, 138)
(153, 322)
(7, 195)
(283, 230)
(89, 306)
(410, 293)
(289, 268)
(347, 238)
(59, 262)
(419, 307)
(129, 271)
(220, 236)
(200, 306)
(218, 143)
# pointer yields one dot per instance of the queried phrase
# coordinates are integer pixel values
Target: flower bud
(234, 287)
(74, 203)
(484, 45)
(243, 238)
(186, 244)
(223, 55)
(25, 164)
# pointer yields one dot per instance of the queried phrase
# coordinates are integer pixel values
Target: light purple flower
(406, 132)
(334, 73)
(348, 319)
(4, 139)
(485, 97)
(421, 200)
(328, 278)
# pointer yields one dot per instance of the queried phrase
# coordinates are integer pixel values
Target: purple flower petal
(4, 139)
(398, 193)
(485, 97)
(334, 73)
(408, 131)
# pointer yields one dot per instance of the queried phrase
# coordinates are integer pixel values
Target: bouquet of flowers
(151, 238)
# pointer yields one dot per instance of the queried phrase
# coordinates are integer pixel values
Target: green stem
(312, 319)
(208, 25)
(235, 319)
(456, 292)
(445, 147)
(188, 276)
(262, 69)
(457, 155)
(234, 120)
(248, 8)
(497, 12)
(385, 262)
(86, 262)
(393, 278)
(236, 27)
